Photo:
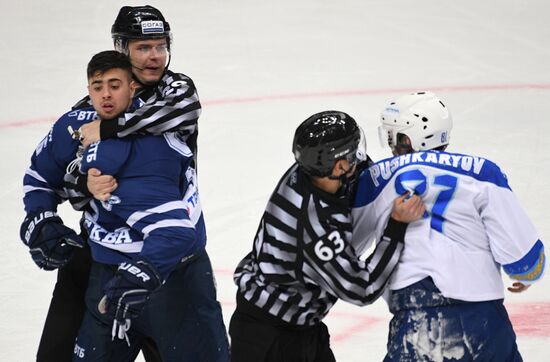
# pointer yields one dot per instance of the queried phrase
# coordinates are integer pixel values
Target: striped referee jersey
(171, 105)
(302, 261)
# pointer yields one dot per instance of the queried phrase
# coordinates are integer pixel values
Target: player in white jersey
(446, 294)
(301, 262)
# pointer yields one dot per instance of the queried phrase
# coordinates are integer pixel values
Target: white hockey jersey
(473, 224)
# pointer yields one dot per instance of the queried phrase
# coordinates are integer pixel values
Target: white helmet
(420, 116)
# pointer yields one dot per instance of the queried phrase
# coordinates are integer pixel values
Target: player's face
(111, 92)
(148, 59)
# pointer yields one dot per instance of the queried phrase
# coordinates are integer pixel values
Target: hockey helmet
(422, 117)
(139, 22)
(325, 138)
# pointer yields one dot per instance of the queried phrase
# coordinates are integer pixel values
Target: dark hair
(107, 60)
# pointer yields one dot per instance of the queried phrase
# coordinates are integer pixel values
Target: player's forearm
(165, 249)
(380, 265)
(355, 281)
(178, 109)
(38, 194)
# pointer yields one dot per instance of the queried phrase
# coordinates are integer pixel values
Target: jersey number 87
(415, 182)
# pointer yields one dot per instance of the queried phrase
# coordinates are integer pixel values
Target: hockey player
(168, 102)
(152, 228)
(446, 294)
(301, 262)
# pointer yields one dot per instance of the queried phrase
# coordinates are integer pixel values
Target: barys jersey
(301, 261)
(473, 224)
(155, 211)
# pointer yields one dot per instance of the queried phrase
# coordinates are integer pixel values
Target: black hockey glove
(126, 294)
(50, 243)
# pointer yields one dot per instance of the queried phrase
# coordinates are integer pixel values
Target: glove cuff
(141, 272)
(33, 222)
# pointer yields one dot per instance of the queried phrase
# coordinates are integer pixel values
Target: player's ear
(133, 87)
(339, 168)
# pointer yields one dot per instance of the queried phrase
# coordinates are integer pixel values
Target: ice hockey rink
(261, 68)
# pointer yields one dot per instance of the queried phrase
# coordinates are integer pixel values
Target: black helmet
(139, 22)
(325, 138)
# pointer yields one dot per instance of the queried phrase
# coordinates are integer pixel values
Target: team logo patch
(178, 83)
(152, 27)
(113, 200)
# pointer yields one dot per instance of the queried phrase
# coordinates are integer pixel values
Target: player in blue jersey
(152, 229)
(446, 295)
(164, 101)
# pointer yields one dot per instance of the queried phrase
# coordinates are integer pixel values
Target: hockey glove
(126, 294)
(51, 244)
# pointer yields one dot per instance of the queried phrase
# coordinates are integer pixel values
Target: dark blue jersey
(155, 211)
(43, 181)
(172, 104)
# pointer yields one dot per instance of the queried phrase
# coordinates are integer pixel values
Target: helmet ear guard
(121, 45)
(422, 117)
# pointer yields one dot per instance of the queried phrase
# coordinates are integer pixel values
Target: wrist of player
(127, 292)
(395, 229)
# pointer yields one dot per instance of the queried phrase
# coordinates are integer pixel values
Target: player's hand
(126, 294)
(408, 208)
(101, 186)
(51, 244)
(89, 133)
(518, 287)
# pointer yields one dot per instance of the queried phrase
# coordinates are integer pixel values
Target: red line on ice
(27, 122)
(360, 92)
(343, 93)
(360, 322)
(530, 319)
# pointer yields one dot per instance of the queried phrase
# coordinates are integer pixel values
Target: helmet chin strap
(169, 59)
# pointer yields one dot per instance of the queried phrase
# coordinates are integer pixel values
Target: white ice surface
(261, 68)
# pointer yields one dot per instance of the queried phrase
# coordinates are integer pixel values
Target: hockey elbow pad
(530, 268)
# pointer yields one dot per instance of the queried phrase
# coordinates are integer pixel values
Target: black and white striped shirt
(171, 105)
(302, 262)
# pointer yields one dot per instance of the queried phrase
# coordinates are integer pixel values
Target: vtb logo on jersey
(152, 27)
(84, 115)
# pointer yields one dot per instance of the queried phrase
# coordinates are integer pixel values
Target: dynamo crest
(113, 200)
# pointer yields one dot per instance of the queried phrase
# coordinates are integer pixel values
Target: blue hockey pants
(426, 326)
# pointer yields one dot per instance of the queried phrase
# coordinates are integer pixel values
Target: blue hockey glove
(126, 294)
(51, 244)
